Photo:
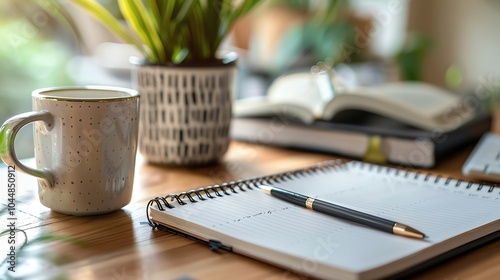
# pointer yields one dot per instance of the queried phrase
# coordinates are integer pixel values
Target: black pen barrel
(344, 213)
(335, 210)
(291, 197)
(353, 215)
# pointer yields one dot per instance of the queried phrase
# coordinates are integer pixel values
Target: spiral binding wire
(226, 189)
(427, 176)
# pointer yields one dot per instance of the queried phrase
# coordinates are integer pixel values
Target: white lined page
(440, 210)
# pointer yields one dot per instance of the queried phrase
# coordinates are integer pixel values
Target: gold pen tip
(266, 188)
(404, 230)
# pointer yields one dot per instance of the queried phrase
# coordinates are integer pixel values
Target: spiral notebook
(455, 215)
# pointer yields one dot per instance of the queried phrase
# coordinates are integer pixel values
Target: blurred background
(449, 43)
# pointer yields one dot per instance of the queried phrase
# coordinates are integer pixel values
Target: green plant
(323, 34)
(173, 31)
(410, 57)
(48, 17)
(39, 37)
(24, 246)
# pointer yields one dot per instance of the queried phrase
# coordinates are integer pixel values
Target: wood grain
(120, 246)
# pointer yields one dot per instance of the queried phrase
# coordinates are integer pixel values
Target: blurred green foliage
(32, 248)
(33, 55)
(323, 35)
(410, 57)
(454, 77)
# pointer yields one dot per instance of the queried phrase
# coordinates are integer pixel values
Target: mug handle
(8, 133)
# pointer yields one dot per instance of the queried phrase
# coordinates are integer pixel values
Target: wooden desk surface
(120, 246)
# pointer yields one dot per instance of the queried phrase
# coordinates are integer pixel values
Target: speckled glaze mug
(85, 146)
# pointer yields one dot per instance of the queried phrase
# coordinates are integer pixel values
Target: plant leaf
(47, 237)
(181, 16)
(174, 30)
(155, 13)
(100, 13)
(137, 17)
(57, 10)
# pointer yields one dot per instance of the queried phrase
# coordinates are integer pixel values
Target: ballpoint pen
(343, 212)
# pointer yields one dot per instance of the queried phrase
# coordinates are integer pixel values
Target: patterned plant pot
(185, 112)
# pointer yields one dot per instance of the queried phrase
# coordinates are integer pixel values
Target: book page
(300, 89)
(418, 104)
(428, 100)
(294, 95)
(439, 209)
(413, 103)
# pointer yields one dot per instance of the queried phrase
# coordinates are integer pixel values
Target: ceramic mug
(85, 141)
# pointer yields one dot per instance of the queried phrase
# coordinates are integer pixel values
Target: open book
(302, 96)
(455, 216)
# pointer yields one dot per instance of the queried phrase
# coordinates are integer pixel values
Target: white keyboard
(484, 161)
